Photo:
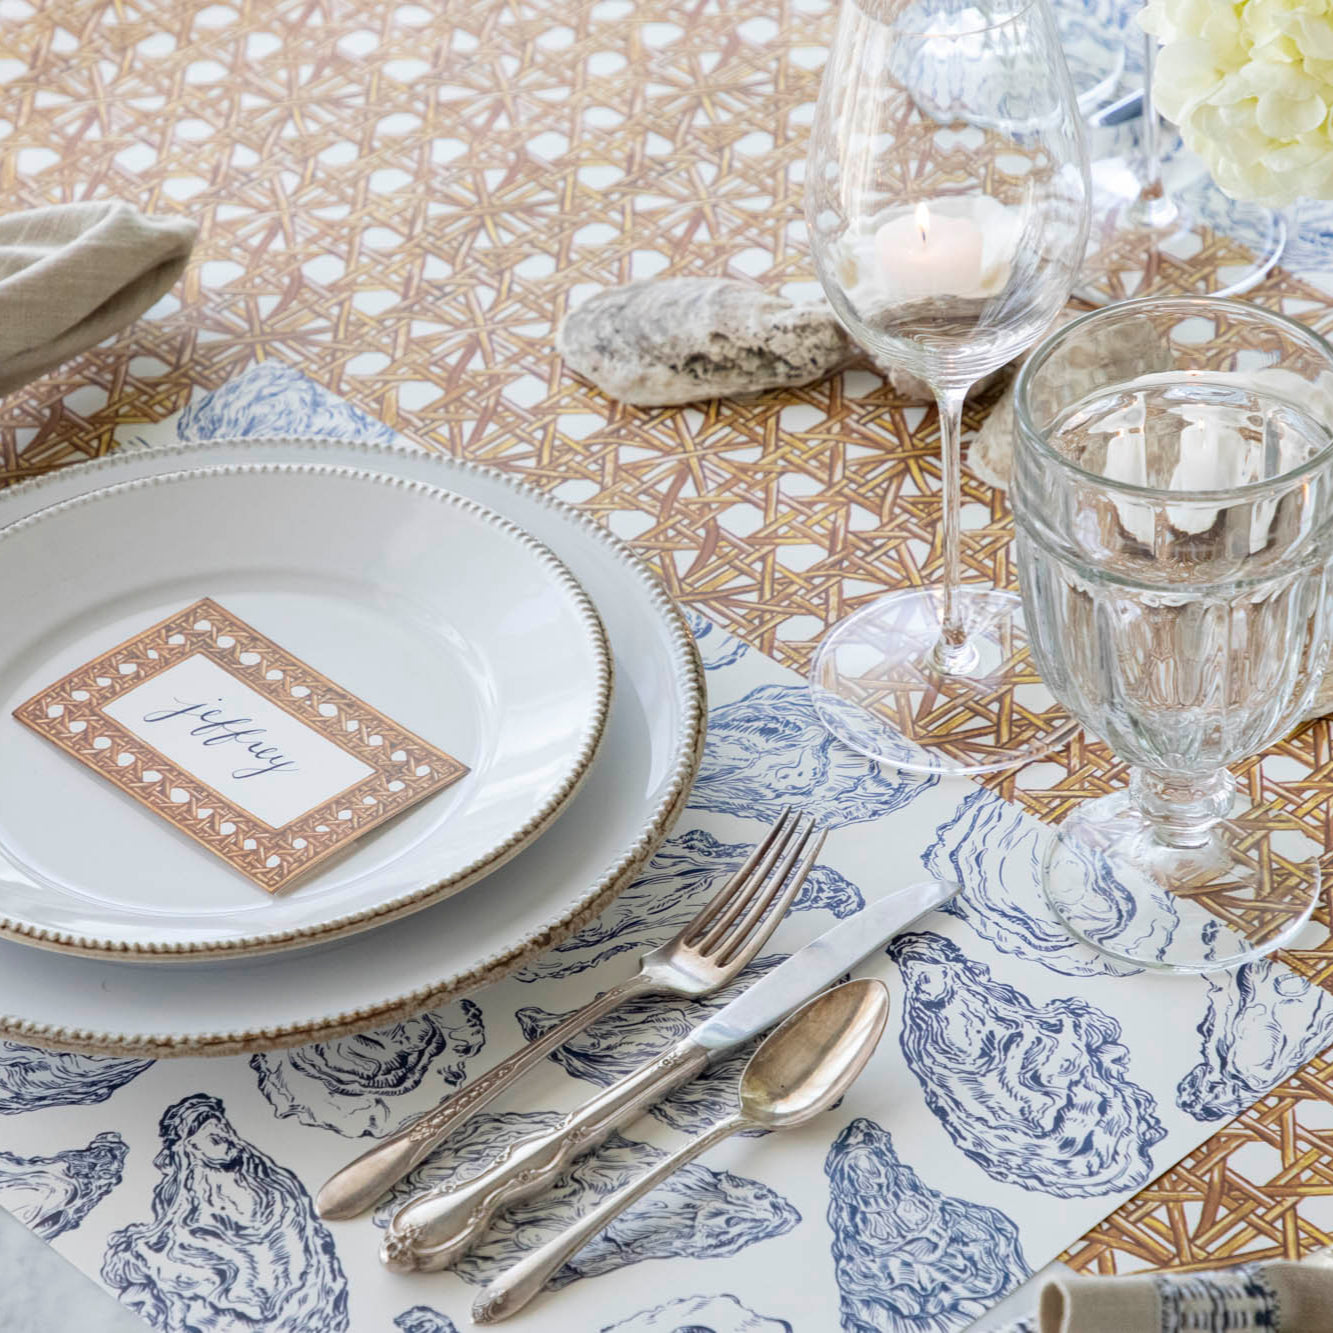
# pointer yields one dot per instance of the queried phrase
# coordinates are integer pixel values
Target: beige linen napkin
(72, 274)
(1276, 1297)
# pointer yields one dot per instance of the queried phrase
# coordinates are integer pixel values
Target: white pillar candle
(930, 254)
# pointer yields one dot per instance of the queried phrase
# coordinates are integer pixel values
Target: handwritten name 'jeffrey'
(214, 728)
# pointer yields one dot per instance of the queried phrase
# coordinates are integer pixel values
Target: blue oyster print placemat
(1025, 1087)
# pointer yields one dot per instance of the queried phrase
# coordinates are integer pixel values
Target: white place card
(240, 745)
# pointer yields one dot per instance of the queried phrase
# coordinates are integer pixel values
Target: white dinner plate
(445, 617)
(635, 788)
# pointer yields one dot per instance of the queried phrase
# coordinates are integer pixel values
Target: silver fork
(437, 1227)
(708, 952)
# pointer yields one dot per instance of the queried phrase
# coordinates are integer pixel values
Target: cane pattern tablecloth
(1025, 1088)
(402, 200)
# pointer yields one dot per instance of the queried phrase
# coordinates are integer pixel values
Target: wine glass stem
(952, 652)
(1154, 208)
(1182, 809)
(1152, 130)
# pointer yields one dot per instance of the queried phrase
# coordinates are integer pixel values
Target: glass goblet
(946, 196)
(1174, 506)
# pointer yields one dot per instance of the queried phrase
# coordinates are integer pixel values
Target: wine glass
(1160, 224)
(947, 203)
(1174, 507)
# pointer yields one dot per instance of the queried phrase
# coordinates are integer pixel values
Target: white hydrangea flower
(1251, 86)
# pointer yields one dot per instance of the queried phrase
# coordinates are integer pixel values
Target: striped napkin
(1280, 1296)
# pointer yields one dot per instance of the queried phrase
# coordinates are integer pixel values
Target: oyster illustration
(769, 749)
(354, 1085)
(52, 1195)
(1036, 1095)
(275, 399)
(717, 648)
(908, 1258)
(422, 1319)
(700, 1314)
(1263, 1023)
(993, 850)
(233, 1243)
(31, 1078)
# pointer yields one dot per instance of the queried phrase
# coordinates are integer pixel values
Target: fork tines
(771, 877)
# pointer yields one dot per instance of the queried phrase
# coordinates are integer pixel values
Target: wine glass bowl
(1175, 543)
(946, 197)
(946, 193)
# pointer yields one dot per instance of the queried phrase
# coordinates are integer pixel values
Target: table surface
(402, 200)
(43, 1293)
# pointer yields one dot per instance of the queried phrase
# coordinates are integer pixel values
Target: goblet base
(881, 685)
(1246, 889)
(1186, 239)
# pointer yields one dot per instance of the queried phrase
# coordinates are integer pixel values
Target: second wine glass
(947, 202)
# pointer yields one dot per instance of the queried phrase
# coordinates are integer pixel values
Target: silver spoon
(801, 1069)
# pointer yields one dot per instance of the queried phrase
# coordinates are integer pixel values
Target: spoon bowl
(808, 1063)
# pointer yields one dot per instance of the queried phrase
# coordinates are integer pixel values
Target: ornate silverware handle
(516, 1286)
(437, 1228)
(357, 1186)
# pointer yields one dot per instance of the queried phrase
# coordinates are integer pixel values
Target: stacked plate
(502, 625)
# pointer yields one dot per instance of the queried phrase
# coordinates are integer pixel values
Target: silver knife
(435, 1229)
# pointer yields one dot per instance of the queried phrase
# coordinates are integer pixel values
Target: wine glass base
(1191, 240)
(877, 686)
(1248, 890)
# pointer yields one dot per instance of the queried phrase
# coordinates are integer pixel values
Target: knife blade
(435, 1229)
(817, 966)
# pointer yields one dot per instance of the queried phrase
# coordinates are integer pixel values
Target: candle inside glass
(930, 254)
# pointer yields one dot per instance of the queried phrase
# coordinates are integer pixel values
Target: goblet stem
(1154, 207)
(1183, 810)
(952, 653)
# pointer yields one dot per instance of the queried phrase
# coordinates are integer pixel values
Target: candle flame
(923, 220)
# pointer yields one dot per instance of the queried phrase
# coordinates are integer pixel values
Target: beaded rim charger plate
(636, 786)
